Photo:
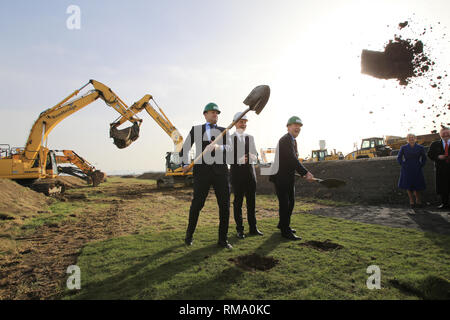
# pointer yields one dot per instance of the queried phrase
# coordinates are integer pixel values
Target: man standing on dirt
(243, 176)
(212, 170)
(439, 153)
(287, 163)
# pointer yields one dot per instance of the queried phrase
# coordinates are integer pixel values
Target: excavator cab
(173, 161)
(51, 167)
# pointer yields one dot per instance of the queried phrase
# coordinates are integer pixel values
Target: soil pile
(72, 182)
(19, 200)
(151, 175)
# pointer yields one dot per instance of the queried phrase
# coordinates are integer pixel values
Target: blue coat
(412, 160)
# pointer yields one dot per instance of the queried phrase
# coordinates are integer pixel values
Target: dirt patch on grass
(326, 245)
(253, 262)
(37, 269)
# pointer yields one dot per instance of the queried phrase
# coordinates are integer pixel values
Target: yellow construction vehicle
(370, 148)
(35, 165)
(84, 170)
(395, 142)
(323, 155)
(174, 174)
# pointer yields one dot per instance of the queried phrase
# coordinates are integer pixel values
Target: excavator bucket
(124, 137)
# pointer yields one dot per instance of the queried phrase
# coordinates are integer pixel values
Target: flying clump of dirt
(401, 60)
(408, 60)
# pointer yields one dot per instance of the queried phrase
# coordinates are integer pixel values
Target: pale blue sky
(188, 53)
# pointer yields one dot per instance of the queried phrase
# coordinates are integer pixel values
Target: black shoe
(256, 232)
(240, 234)
(188, 241)
(292, 230)
(443, 206)
(412, 205)
(290, 236)
(225, 245)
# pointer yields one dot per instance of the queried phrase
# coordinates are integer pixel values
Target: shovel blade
(257, 99)
(332, 183)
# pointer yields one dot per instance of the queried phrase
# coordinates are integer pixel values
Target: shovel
(256, 101)
(329, 183)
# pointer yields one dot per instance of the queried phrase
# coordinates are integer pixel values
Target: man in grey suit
(243, 176)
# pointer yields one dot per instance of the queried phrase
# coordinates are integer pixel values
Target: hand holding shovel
(256, 101)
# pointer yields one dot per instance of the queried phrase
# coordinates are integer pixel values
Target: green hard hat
(211, 107)
(295, 119)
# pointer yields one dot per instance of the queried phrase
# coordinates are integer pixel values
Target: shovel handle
(218, 137)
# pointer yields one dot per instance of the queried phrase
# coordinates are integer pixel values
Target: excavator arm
(87, 169)
(159, 116)
(53, 116)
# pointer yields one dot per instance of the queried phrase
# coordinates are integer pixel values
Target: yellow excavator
(35, 165)
(323, 155)
(370, 148)
(84, 170)
(174, 174)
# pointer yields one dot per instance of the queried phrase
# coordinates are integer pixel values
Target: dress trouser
(202, 184)
(244, 188)
(286, 201)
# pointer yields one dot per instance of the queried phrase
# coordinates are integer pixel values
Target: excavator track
(49, 187)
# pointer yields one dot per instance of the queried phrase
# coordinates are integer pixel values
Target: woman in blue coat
(412, 158)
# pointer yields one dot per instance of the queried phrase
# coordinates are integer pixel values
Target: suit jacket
(212, 161)
(442, 167)
(239, 172)
(287, 162)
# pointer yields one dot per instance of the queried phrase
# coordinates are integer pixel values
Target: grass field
(157, 265)
(128, 240)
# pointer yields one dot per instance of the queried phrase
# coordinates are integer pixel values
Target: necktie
(446, 150)
(295, 147)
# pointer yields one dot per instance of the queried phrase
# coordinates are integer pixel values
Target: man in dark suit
(211, 170)
(243, 176)
(286, 164)
(439, 153)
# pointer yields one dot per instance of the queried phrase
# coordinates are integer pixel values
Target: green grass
(157, 265)
(61, 211)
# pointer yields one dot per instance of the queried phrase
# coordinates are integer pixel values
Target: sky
(189, 53)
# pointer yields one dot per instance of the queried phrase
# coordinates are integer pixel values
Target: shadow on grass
(428, 288)
(432, 222)
(217, 287)
(133, 281)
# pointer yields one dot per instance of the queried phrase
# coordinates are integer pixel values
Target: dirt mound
(326, 245)
(20, 201)
(72, 182)
(151, 175)
(252, 262)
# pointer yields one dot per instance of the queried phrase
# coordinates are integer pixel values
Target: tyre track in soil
(38, 270)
